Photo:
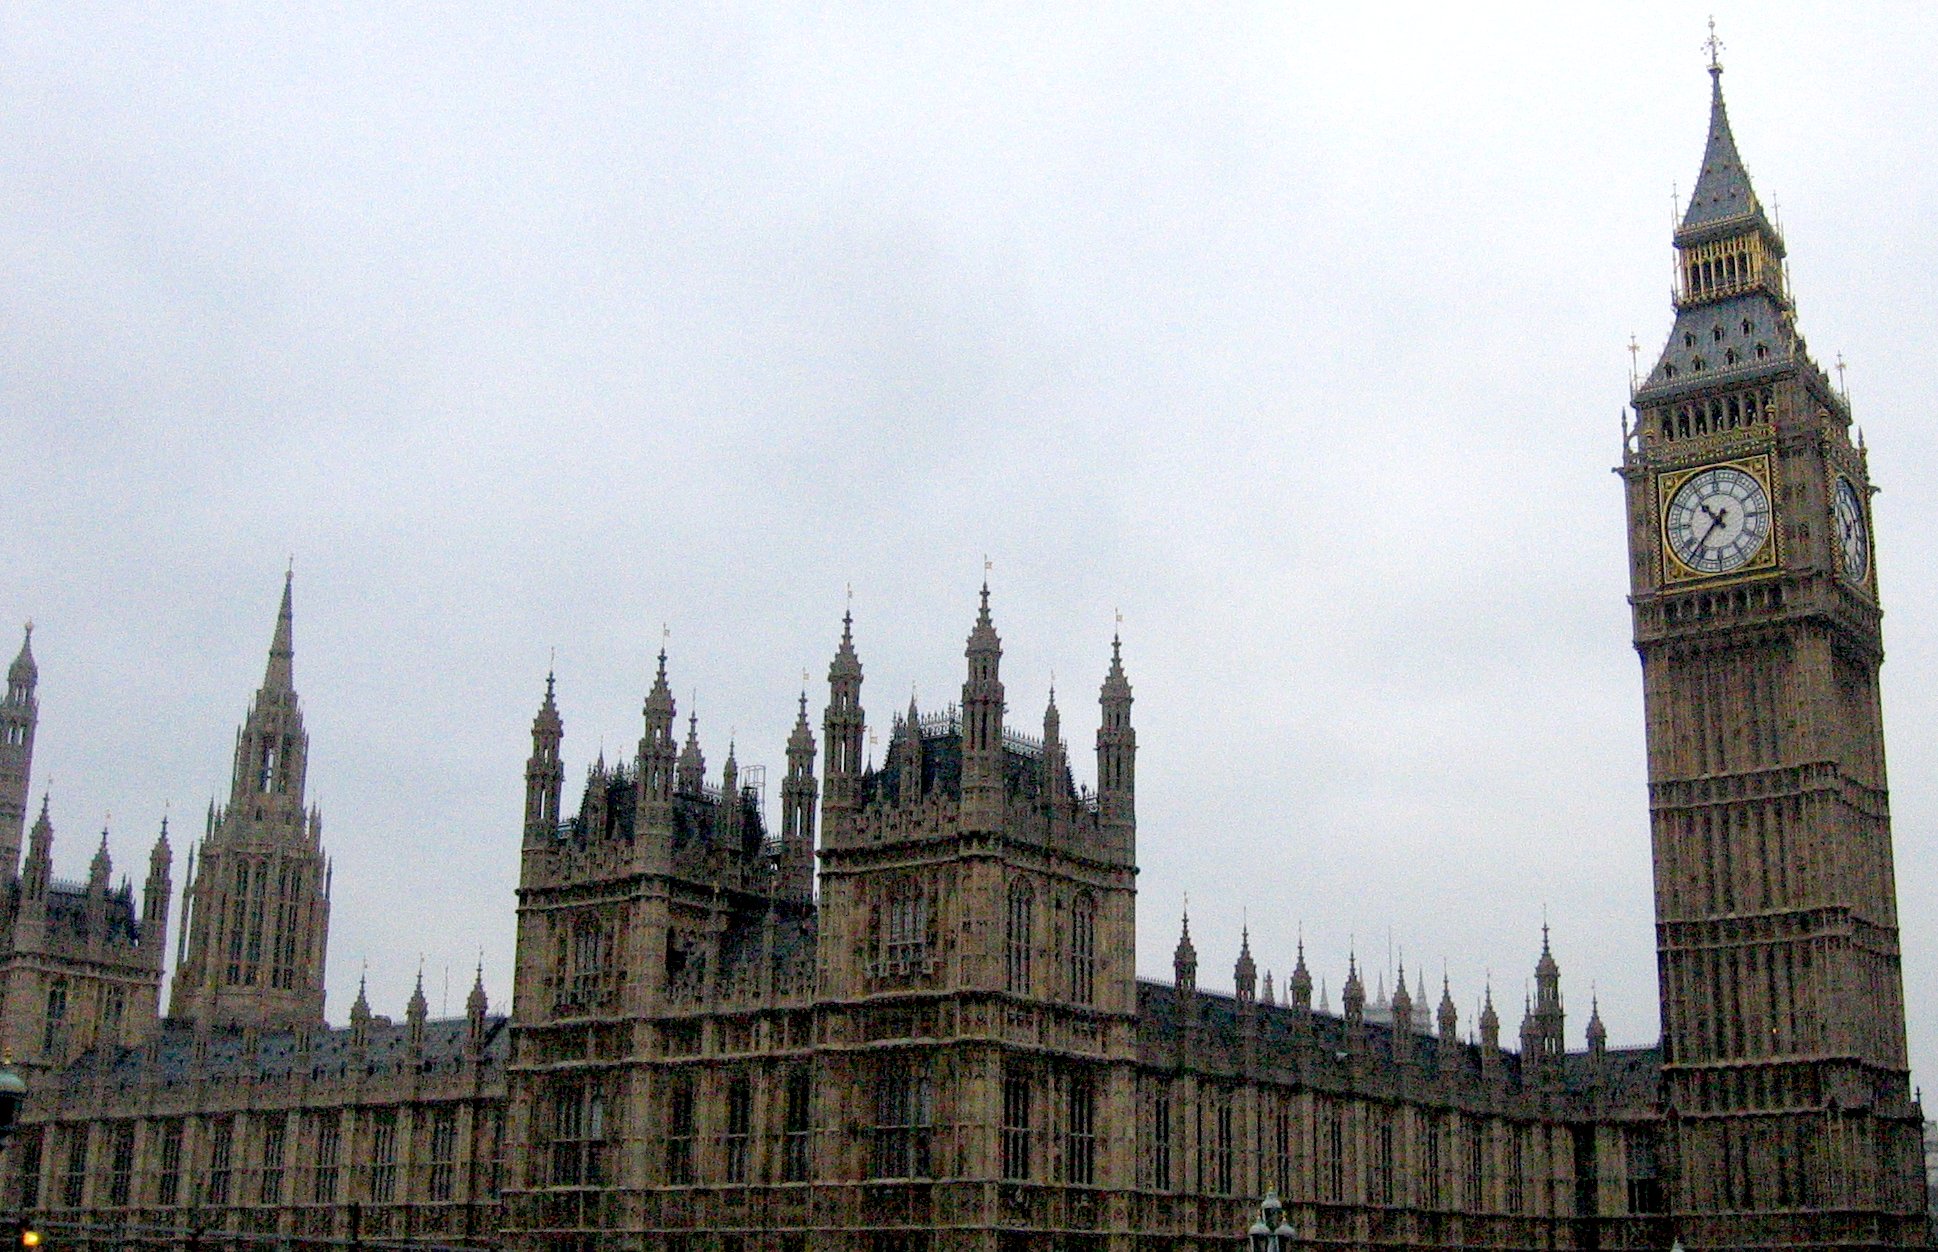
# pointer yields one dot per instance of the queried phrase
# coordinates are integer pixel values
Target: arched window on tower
(1022, 906)
(1083, 949)
(907, 944)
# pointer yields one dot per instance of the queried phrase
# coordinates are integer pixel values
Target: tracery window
(1016, 1125)
(168, 1183)
(1022, 906)
(269, 1189)
(1083, 949)
(740, 1125)
(907, 941)
(1080, 1131)
(329, 1143)
(444, 1151)
(578, 1117)
(904, 1120)
(383, 1157)
(679, 1130)
(221, 1149)
(53, 1029)
(121, 1165)
(1161, 1137)
(797, 1126)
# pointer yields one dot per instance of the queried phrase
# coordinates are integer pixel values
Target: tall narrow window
(1016, 1125)
(1022, 906)
(1080, 1132)
(168, 1180)
(679, 1130)
(1516, 1196)
(221, 1151)
(270, 1190)
(1083, 949)
(1473, 1181)
(578, 1118)
(444, 1152)
(908, 929)
(121, 1165)
(75, 1183)
(383, 1157)
(1221, 1147)
(1380, 1179)
(1282, 1147)
(904, 1118)
(27, 1161)
(740, 1126)
(798, 1125)
(54, 1027)
(328, 1148)
(1161, 1137)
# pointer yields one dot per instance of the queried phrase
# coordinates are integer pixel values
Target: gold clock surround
(1766, 558)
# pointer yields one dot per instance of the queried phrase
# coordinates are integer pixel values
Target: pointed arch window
(1022, 908)
(907, 942)
(1083, 949)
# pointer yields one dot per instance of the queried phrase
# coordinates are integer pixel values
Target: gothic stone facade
(938, 1041)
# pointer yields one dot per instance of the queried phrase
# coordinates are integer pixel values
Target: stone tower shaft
(19, 715)
(1756, 618)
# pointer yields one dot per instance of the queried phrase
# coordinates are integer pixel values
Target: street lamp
(1271, 1233)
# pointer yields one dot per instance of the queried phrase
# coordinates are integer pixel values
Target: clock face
(1718, 520)
(1853, 540)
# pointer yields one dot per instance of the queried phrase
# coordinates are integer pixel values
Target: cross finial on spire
(1714, 47)
(1842, 390)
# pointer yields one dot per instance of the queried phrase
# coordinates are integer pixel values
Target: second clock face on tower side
(1717, 520)
(1853, 537)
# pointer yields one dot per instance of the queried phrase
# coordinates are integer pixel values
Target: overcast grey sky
(1298, 337)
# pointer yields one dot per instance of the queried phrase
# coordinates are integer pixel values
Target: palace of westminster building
(908, 1018)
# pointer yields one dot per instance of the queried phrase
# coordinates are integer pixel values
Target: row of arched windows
(1078, 958)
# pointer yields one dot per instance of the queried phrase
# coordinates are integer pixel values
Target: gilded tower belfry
(257, 911)
(1756, 615)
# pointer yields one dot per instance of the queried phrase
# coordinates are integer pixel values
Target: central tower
(1756, 616)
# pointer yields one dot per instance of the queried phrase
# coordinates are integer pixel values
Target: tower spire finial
(1714, 47)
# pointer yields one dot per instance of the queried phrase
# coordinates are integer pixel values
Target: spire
(1449, 1015)
(476, 1003)
(1597, 1033)
(1402, 1002)
(846, 664)
(102, 865)
(693, 763)
(1352, 998)
(1244, 972)
(1300, 983)
(983, 640)
(1184, 960)
(23, 672)
(801, 741)
(417, 1010)
(279, 676)
(1723, 188)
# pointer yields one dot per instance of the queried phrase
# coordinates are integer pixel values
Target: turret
(1548, 1015)
(1184, 961)
(983, 784)
(545, 770)
(1301, 985)
(1353, 1000)
(797, 810)
(1597, 1033)
(1244, 972)
(691, 773)
(475, 1006)
(38, 871)
(1490, 1038)
(730, 811)
(1449, 1029)
(1056, 767)
(100, 868)
(1117, 758)
(154, 897)
(19, 714)
(360, 1017)
(416, 1012)
(656, 752)
(1266, 996)
(1402, 1019)
(842, 728)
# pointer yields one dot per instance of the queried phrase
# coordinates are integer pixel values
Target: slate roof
(273, 1055)
(1723, 192)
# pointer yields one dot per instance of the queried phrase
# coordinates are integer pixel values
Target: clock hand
(1715, 520)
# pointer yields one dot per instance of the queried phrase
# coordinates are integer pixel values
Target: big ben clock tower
(1756, 613)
